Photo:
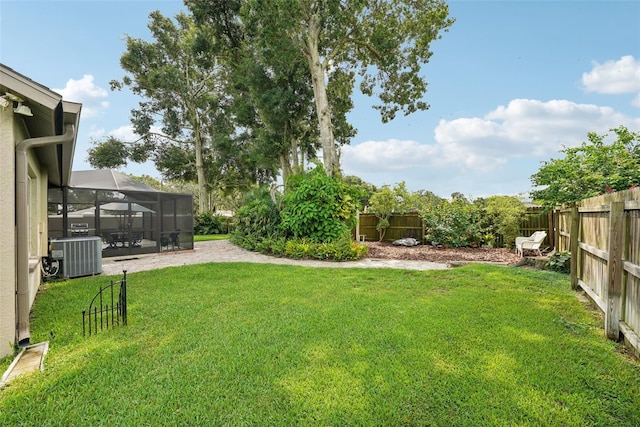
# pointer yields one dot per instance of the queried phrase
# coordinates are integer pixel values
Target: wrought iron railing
(103, 315)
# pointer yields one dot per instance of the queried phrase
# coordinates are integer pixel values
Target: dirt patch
(384, 250)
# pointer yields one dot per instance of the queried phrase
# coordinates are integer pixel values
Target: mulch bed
(384, 250)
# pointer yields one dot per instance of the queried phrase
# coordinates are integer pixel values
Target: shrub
(278, 246)
(357, 251)
(259, 224)
(207, 223)
(297, 249)
(387, 201)
(342, 249)
(505, 213)
(256, 220)
(560, 262)
(317, 207)
(452, 224)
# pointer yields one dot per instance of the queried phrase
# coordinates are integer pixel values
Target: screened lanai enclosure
(130, 217)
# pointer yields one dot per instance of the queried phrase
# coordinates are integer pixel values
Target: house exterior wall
(37, 223)
(47, 159)
(37, 199)
(8, 236)
(12, 132)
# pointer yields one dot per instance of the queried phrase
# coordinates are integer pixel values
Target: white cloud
(385, 156)
(124, 133)
(614, 77)
(87, 93)
(96, 132)
(524, 128)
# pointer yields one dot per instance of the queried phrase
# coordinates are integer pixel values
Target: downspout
(23, 333)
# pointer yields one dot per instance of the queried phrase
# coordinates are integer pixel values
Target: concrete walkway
(30, 359)
(223, 251)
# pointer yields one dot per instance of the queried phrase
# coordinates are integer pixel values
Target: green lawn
(248, 344)
(204, 238)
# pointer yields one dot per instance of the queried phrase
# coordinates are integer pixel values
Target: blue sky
(510, 84)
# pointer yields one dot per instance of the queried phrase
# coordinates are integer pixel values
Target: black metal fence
(103, 315)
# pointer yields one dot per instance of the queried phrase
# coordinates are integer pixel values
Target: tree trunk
(295, 163)
(329, 153)
(203, 196)
(286, 168)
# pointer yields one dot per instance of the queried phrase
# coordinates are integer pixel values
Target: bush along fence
(411, 225)
(99, 308)
(603, 235)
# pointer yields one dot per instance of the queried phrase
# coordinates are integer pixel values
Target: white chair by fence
(531, 243)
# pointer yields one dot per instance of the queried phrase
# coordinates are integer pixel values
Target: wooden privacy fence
(411, 225)
(537, 219)
(400, 226)
(603, 236)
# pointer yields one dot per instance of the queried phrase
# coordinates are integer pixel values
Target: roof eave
(50, 115)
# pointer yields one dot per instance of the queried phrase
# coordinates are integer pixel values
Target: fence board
(538, 219)
(562, 218)
(631, 309)
(594, 296)
(593, 272)
(631, 314)
(594, 251)
(400, 226)
(613, 286)
(604, 240)
(595, 229)
(633, 225)
(574, 230)
(630, 338)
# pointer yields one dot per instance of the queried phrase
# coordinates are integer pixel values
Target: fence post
(556, 229)
(552, 230)
(573, 245)
(613, 288)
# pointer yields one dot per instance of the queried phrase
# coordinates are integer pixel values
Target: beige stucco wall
(7, 237)
(11, 132)
(37, 224)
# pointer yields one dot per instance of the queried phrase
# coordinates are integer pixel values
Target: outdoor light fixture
(11, 97)
(23, 109)
(8, 98)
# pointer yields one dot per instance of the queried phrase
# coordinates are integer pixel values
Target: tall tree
(590, 169)
(110, 153)
(281, 97)
(184, 88)
(385, 41)
(274, 96)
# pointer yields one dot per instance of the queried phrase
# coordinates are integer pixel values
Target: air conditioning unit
(78, 256)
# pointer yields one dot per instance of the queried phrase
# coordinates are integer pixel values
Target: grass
(249, 344)
(207, 237)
